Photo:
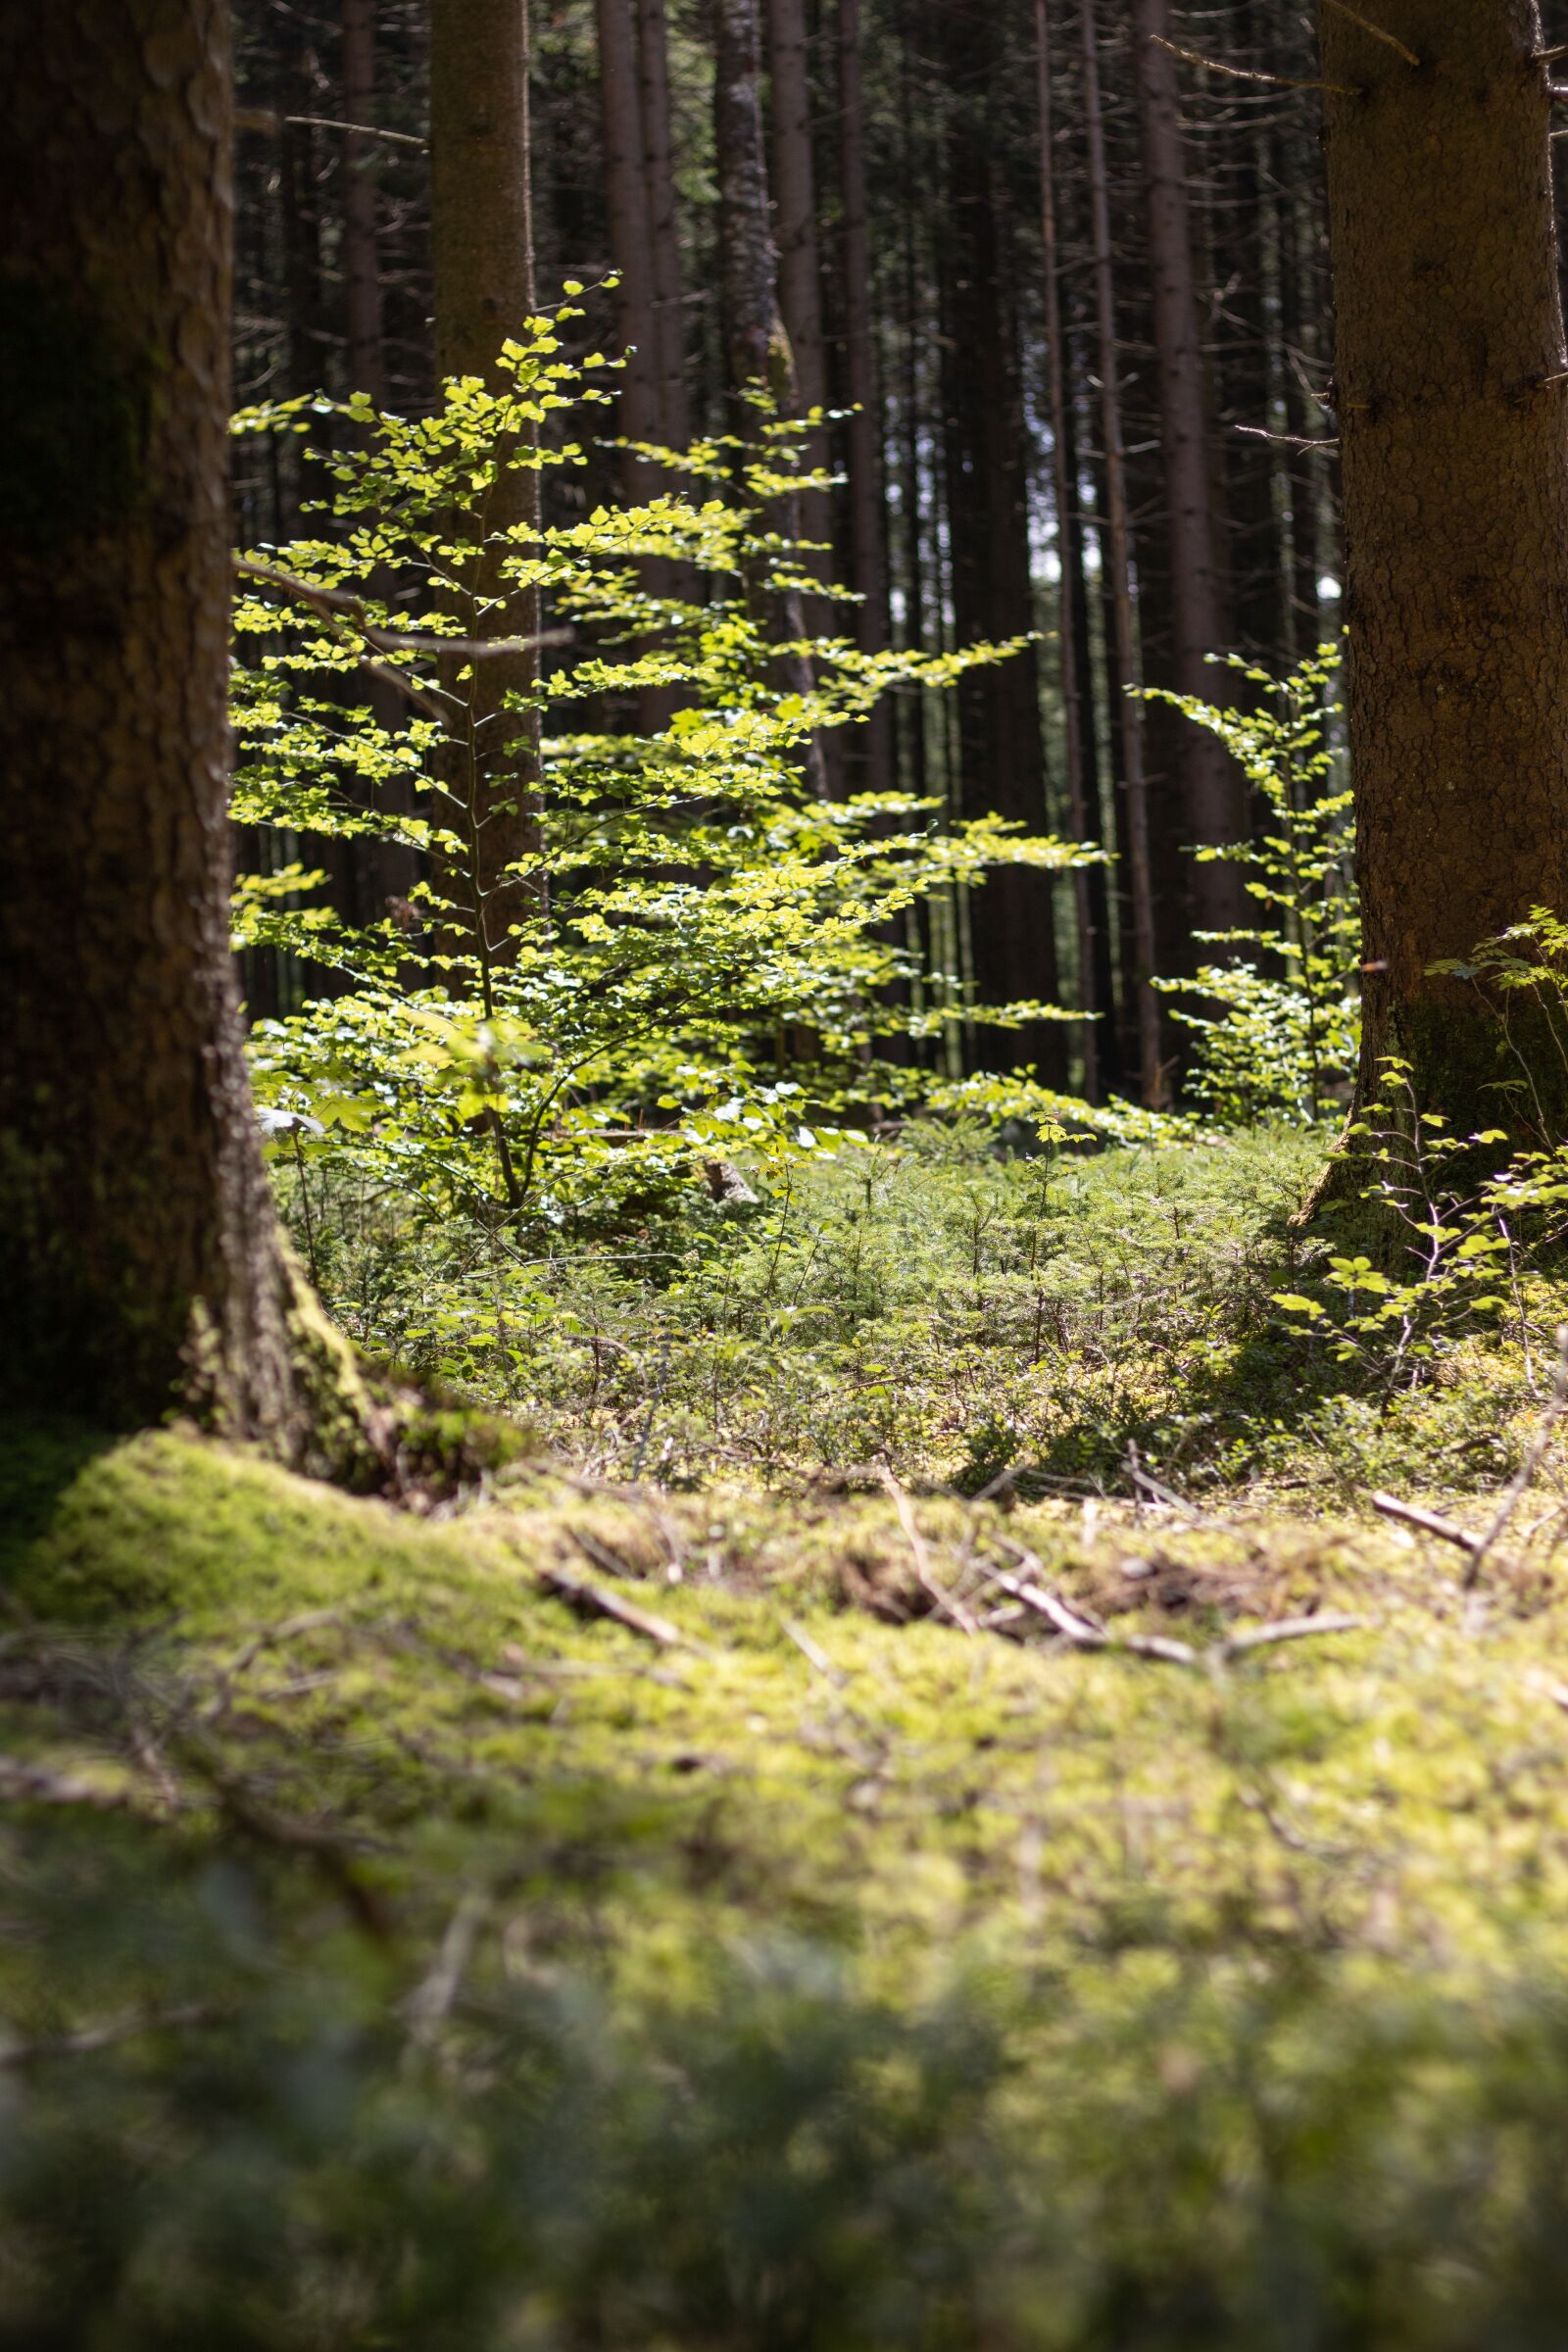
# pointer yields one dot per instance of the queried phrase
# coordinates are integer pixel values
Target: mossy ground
(819, 1752)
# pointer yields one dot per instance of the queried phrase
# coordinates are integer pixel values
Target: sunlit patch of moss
(817, 1752)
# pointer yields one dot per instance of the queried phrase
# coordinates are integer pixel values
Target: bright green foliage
(693, 911)
(1285, 1044)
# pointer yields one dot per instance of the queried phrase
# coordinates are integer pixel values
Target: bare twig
(429, 2004)
(580, 1593)
(815, 1654)
(1288, 1629)
(260, 119)
(1411, 1514)
(930, 1583)
(1279, 82)
(336, 601)
(1260, 432)
(1086, 1633)
(1376, 30)
(89, 2039)
(1535, 1453)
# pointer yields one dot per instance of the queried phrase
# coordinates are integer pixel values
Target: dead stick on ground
(1534, 1454)
(583, 1593)
(1411, 1514)
(929, 1582)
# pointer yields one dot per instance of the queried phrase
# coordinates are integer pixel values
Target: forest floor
(1022, 1917)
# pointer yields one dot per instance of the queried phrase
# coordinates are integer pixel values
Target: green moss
(814, 1754)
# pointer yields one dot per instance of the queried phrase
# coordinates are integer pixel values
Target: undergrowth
(1062, 1321)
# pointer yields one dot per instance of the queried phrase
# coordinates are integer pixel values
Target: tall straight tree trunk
(1116, 552)
(669, 300)
(481, 252)
(868, 552)
(758, 347)
(1001, 758)
(360, 257)
(799, 274)
(1452, 382)
(1212, 811)
(140, 1262)
(1082, 817)
(631, 248)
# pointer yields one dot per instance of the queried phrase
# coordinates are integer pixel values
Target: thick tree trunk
(481, 251)
(140, 1259)
(1211, 800)
(1116, 554)
(1452, 385)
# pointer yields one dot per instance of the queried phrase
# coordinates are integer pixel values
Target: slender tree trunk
(1212, 811)
(140, 1259)
(631, 248)
(481, 239)
(1001, 758)
(756, 345)
(869, 554)
(669, 300)
(1451, 379)
(1083, 825)
(1116, 551)
(361, 258)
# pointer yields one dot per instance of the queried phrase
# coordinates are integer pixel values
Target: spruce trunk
(140, 1261)
(1451, 385)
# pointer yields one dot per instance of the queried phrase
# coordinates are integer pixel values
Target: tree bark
(481, 241)
(630, 250)
(1213, 809)
(140, 1261)
(869, 554)
(758, 347)
(361, 260)
(1116, 550)
(670, 310)
(1451, 383)
(1001, 761)
(1083, 816)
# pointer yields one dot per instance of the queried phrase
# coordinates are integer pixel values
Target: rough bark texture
(482, 243)
(140, 1259)
(1452, 400)
(755, 342)
(1211, 801)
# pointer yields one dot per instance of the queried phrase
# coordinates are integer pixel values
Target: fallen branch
(1410, 1514)
(1288, 1629)
(588, 1599)
(1534, 1454)
(929, 1582)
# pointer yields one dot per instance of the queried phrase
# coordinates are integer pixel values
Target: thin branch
(1534, 1454)
(1410, 1514)
(1260, 432)
(1287, 1629)
(592, 1599)
(90, 2039)
(1376, 30)
(1279, 82)
(929, 1582)
(336, 601)
(260, 119)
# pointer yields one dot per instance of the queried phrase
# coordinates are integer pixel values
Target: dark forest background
(915, 201)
